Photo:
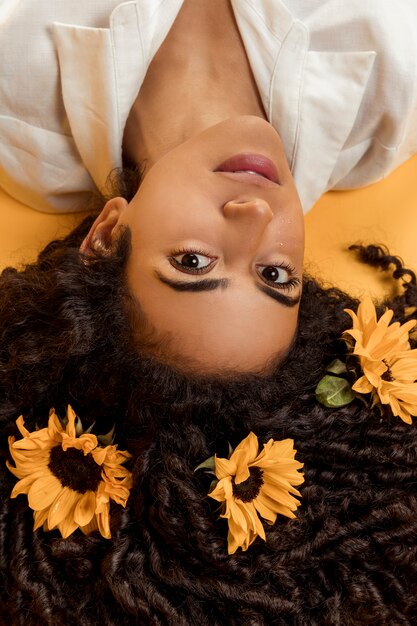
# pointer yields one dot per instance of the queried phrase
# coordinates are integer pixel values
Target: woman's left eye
(278, 275)
(192, 262)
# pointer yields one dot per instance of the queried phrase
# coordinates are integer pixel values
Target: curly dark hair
(350, 556)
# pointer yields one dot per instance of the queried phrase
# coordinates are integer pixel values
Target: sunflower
(252, 484)
(388, 364)
(69, 480)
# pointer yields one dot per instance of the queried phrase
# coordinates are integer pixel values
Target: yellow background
(382, 213)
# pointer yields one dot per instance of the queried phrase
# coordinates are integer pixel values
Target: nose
(252, 210)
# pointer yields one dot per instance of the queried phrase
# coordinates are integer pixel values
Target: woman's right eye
(191, 262)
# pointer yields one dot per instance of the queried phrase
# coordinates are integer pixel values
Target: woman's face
(217, 256)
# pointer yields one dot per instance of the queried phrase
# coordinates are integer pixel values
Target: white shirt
(337, 79)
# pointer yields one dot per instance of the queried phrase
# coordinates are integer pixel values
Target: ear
(103, 232)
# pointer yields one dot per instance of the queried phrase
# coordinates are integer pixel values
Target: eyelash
(190, 270)
(288, 286)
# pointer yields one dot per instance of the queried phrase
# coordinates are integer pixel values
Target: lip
(250, 168)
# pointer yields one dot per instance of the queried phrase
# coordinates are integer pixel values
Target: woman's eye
(275, 274)
(191, 261)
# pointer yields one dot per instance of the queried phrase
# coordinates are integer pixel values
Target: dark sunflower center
(387, 375)
(73, 469)
(250, 488)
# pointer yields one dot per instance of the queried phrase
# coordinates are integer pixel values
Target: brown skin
(234, 227)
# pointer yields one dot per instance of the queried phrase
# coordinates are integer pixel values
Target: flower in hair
(252, 484)
(69, 478)
(387, 364)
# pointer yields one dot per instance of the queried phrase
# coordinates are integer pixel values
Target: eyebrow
(223, 283)
(208, 284)
(287, 301)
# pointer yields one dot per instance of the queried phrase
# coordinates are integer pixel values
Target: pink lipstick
(250, 164)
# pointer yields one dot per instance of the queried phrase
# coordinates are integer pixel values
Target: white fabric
(337, 79)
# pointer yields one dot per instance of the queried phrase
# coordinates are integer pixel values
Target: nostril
(253, 209)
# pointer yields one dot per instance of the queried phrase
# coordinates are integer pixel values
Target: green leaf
(108, 438)
(78, 426)
(208, 464)
(333, 392)
(337, 367)
(213, 484)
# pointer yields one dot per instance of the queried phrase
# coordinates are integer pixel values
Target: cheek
(168, 211)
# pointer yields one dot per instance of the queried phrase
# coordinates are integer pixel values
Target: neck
(189, 86)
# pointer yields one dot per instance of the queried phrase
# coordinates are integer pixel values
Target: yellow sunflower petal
(365, 320)
(102, 498)
(62, 506)
(224, 467)
(275, 451)
(85, 508)
(99, 455)
(103, 522)
(14, 470)
(219, 491)
(118, 493)
(410, 409)
(43, 491)
(353, 316)
(115, 457)
(86, 443)
(256, 525)
(261, 505)
(373, 370)
(36, 440)
(362, 385)
(91, 527)
(404, 415)
(234, 541)
(118, 477)
(404, 368)
(116, 473)
(392, 341)
(244, 454)
(278, 507)
(403, 392)
(402, 399)
(23, 485)
(375, 334)
(54, 426)
(40, 518)
(279, 495)
(237, 537)
(234, 512)
(356, 334)
(243, 536)
(68, 525)
(24, 456)
(366, 311)
(242, 473)
(286, 483)
(27, 464)
(70, 429)
(20, 423)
